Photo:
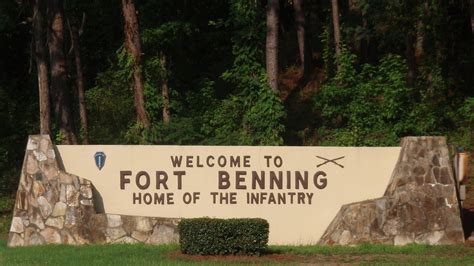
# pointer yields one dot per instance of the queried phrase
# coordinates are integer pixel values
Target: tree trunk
(337, 29)
(304, 49)
(419, 41)
(272, 44)
(420, 34)
(472, 15)
(80, 83)
(58, 72)
(165, 91)
(133, 45)
(41, 66)
(410, 56)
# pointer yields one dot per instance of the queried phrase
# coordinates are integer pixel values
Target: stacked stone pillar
(55, 207)
(420, 204)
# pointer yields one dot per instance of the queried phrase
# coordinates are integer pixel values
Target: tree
(165, 91)
(420, 33)
(471, 13)
(272, 44)
(133, 46)
(304, 49)
(59, 86)
(75, 33)
(41, 66)
(337, 29)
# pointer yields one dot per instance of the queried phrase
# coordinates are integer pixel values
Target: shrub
(208, 236)
(371, 105)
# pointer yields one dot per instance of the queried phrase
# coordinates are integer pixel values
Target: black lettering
(234, 161)
(254, 198)
(176, 161)
(274, 180)
(263, 197)
(271, 199)
(278, 161)
(161, 179)
(281, 198)
(310, 197)
(159, 198)
(179, 174)
(189, 161)
(123, 179)
(240, 180)
(208, 159)
(267, 158)
(147, 198)
(221, 161)
(223, 180)
(288, 179)
(196, 196)
(214, 197)
(258, 179)
(300, 180)
(170, 198)
(291, 194)
(300, 198)
(137, 197)
(324, 181)
(198, 162)
(246, 160)
(187, 198)
(138, 178)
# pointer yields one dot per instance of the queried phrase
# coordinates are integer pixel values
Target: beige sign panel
(298, 190)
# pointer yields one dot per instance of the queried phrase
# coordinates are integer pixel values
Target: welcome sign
(298, 190)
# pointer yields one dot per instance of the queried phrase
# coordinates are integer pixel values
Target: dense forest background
(236, 72)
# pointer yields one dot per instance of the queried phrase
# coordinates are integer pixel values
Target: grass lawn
(139, 254)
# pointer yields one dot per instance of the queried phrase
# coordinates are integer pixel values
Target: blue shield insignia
(99, 158)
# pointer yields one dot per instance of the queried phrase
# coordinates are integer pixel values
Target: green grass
(387, 254)
(139, 254)
(6, 207)
(373, 249)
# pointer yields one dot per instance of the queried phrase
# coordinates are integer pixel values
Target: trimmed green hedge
(208, 236)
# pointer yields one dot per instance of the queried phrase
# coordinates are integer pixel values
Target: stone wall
(420, 204)
(54, 207)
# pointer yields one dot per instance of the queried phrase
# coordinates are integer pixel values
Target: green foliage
(206, 236)
(110, 104)
(6, 204)
(370, 106)
(179, 131)
(467, 111)
(246, 119)
(167, 34)
(253, 114)
(327, 51)
(464, 135)
(10, 156)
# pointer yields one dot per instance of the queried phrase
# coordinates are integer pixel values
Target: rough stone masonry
(54, 207)
(420, 204)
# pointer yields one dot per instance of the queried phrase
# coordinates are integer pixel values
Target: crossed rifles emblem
(330, 161)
